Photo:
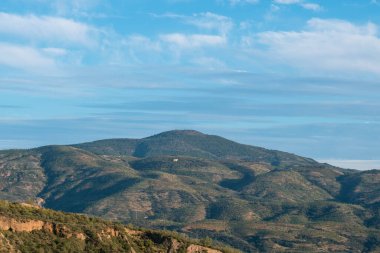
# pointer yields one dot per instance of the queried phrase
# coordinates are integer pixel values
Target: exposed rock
(133, 232)
(108, 233)
(200, 249)
(21, 226)
(29, 205)
(14, 225)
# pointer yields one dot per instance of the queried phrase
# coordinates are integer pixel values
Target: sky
(295, 75)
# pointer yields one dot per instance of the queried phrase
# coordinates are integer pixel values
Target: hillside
(27, 228)
(254, 199)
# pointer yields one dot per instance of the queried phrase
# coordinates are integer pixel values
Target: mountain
(189, 143)
(254, 199)
(28, 228)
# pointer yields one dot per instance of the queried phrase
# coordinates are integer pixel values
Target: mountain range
(251, 198)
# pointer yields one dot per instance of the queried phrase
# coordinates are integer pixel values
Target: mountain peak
(185, 132)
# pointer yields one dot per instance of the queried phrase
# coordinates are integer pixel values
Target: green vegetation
(205, 186)
(31, 229)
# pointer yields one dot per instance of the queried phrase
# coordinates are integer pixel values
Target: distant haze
(355, 164)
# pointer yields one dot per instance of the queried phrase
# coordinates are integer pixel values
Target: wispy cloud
(193, 40)
(71, 7)
(46, 28)
(213, 31)
(311, 6)
(303, 4)
(54, 51)
(26, 58)
(206, 21)
(330, 46)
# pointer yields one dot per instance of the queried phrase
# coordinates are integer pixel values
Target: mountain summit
(204, 185)
(190, 143)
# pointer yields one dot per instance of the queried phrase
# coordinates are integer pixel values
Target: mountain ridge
(203, 185)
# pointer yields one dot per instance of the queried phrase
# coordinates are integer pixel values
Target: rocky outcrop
(108, 233)
(11, 224)
(201, 249)
(15, 225)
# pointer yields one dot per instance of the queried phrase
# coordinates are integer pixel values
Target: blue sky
(296, 75)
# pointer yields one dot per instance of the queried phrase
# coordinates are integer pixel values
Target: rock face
(23, 226)
(16, 225)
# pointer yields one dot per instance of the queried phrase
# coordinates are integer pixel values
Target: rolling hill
(251, 198)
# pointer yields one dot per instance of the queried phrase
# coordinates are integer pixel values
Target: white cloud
(193, 40)
(305, 5)
(54, 51)
(189, 47)
(341, 26)
(46, 29)
(333, 46)
(25, 58)
(311, 6)
(211, 21)
(168, 48)
(206, 21)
